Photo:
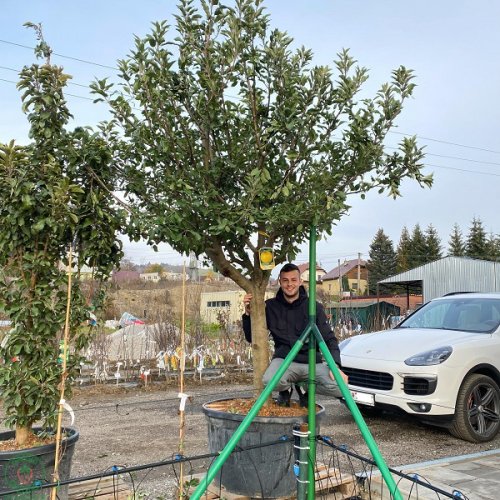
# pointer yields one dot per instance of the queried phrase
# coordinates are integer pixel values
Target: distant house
(122, 277)
(150, 277)
(349, 278)
(228, 302)
(304, 272)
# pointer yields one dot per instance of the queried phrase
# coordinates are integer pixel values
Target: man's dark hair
(289, 267)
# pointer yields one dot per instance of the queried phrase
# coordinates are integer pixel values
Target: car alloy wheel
(477, 412)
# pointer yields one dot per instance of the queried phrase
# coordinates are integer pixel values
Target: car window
(481, 315)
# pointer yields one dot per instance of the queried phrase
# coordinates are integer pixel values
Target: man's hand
(246, 302)
(345, 378)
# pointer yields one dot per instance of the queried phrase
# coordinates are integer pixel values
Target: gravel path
(141, 426)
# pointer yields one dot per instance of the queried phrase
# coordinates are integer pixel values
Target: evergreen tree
(477, 246)
(381, 262)
(493, 247)
(456, 245)
(418, 254)
(403, 251)
(433, 244)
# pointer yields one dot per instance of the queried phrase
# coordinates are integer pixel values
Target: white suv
(441, 364)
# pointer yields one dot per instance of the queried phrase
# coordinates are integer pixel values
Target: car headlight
(433, 357)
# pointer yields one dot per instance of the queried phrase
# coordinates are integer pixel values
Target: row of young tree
(422, 246)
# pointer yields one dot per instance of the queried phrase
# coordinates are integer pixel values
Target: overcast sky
(452, 47)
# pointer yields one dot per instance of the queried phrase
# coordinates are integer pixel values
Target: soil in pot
(264, 471)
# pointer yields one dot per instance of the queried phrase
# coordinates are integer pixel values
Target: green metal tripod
(313, 335)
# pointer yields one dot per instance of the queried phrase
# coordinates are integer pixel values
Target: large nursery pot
(33, 467)
(263, 472)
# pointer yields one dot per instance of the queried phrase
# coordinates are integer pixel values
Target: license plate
(363, 398)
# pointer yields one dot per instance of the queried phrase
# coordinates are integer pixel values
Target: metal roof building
(450, 274)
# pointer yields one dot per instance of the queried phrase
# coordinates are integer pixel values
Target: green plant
(49, 201)
(242, 143)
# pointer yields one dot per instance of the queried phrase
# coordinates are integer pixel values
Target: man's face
(290, 283)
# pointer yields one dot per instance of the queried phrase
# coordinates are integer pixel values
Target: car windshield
(464, 314)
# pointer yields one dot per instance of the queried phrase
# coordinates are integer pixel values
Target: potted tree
(54, 193)
(241, 142)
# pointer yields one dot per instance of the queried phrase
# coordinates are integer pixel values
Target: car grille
(369, 379)
(417, 386)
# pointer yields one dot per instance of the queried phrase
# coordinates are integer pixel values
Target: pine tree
(381, 262)
(433, 244)
(418, 254)
(456, 245)
(403, 251)
(477, 246)
(493, 247)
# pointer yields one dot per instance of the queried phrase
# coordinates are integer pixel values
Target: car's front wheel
(477, 412)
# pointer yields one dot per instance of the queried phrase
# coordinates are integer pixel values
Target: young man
(287, 316)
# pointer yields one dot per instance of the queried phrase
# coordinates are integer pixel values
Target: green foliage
(233, 141)
(382, 261)
(432, 244)
(241, 142)
(403, 251)
(54, 193)
(456, 243)
(477, 245)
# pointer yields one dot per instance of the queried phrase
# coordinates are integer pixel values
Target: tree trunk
(23, 433)
(260, 336)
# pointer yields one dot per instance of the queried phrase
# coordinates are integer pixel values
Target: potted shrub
(54, 193)
(241, 143)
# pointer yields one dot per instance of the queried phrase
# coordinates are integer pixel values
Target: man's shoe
(303, 396)
(284, 398)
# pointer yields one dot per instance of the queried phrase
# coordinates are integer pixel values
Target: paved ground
(474, 477)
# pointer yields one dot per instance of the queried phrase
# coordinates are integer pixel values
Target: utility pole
(341, 288)
(359, 273)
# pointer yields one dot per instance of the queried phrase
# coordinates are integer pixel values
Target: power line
(18, 71)
(62, 55)
(65, 93)
(445, 142)
(463, 170)
(84, 61)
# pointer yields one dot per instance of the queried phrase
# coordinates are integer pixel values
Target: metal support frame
(312, 335)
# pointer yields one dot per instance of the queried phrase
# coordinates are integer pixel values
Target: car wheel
(477, 412)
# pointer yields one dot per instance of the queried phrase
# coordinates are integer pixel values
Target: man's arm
(247, 327)
(245, 319)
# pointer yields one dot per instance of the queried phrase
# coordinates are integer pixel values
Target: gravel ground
(131, 427)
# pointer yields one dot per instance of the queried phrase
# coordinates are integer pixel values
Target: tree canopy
(233, 139)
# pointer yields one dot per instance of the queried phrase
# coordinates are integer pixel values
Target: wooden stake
(64, 374)
(181, 381)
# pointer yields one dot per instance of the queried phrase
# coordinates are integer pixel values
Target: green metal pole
(358, 418)
(238, 433)
(311, 390)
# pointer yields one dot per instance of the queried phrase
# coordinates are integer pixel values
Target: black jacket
(286, 322)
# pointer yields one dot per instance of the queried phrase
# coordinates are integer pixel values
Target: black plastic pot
(264, 472)
(32, 467)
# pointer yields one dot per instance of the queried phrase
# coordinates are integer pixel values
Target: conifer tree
(382, 261)
(433, 244)
(477, 246)
(418, 253)
(493, 247)
(456, 245)
(403, 251)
